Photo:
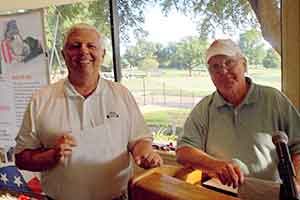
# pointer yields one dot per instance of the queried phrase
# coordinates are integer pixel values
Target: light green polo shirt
(244, 133)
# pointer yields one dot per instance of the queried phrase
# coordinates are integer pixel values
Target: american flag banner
(12, 179)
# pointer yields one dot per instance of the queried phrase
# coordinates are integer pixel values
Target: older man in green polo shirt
(229, 133)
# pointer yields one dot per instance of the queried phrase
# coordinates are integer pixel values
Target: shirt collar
(71, 91)
(250, 98)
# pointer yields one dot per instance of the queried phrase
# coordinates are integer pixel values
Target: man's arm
(144, 155)
(37, 160)
(227, 172)
(44, 159)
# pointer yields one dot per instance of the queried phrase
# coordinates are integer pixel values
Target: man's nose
(224, 68)
(83, 49)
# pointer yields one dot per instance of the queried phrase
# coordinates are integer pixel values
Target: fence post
(180, 96)
(164, 92)
(193, 98)
(144, 88)
(173, 128)
(152, 99)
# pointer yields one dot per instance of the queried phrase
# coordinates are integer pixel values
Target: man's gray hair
(83, 26)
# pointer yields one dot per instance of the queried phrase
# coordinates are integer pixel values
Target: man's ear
(104, 52)
(245, 64)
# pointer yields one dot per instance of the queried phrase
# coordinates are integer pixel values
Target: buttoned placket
(77, 123)
(81, 115)
(235, 116)
(88, 120)
(235, 112)
(84, 114)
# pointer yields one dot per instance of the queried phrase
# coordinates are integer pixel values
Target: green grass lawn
(164, 115)
(174, 82)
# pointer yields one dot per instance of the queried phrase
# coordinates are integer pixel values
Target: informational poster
(23, 69)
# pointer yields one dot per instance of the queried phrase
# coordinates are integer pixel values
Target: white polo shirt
(105, 125)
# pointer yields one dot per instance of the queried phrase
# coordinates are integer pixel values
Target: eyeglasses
(229, 64)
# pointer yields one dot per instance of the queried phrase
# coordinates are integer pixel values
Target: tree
(148, 64)
(97, 13)
(226, 15)
(229, 15)
(143, 49)
(272, 59)
(165, 53)
(252, 45)
(132, 57)
(189, 53)
(209, 14)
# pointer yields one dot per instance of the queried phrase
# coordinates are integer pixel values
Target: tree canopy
(230, 15)
(209, 15)
(252, 45)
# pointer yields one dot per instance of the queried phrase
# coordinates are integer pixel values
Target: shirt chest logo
(112, 115)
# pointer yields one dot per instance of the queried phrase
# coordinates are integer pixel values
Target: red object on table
(35, 185)
(23, 197)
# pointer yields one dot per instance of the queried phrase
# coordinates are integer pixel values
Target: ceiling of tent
(12, 5)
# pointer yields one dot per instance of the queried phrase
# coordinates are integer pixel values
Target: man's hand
(144, 156)
(148, 160)
(297, 185)
(228, 173)
(44, 159)
(64, 145)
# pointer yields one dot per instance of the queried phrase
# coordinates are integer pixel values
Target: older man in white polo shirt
(79, 131)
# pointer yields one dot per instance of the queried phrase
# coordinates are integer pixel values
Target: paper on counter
(252, 189)
(216, 183)
(258, 189)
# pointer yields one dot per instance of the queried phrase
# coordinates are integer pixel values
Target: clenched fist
(64, 145)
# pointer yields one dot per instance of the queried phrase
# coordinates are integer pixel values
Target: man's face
(83, 53)
(227, 73)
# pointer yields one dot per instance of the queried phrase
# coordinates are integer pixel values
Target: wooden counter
(160, 183)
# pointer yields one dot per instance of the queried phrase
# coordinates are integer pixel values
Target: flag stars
(18, 181)
(11, 177)
(3, 178)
